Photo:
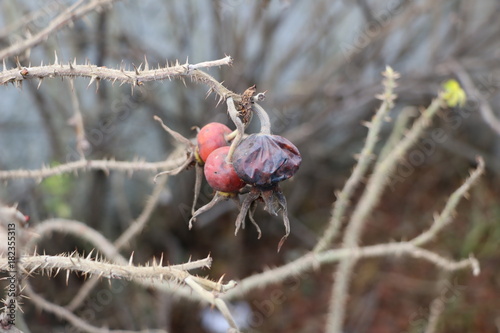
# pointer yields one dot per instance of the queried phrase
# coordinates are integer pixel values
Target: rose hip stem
(240, 128)
(265, 122)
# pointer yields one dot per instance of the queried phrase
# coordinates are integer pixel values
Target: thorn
(18, 64)
(56, 60)
(146, 64)
(161, 260)
(131, 258)
(67, 277)
(3, 64)
(137, 69)
(92, 79)
(90, 254)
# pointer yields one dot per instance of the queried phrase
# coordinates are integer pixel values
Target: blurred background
(320, 63)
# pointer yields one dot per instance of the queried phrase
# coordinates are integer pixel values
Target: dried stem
(365, 158)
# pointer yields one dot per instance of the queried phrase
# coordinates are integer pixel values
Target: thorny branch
(136, 77)
(87, 165)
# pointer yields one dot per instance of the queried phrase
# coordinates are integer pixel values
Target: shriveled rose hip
(264, 159)
(219, 174)
(211, 137)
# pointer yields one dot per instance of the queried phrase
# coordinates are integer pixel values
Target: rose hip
(219, 174)
(211, 137)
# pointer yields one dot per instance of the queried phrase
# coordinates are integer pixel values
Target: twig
(62, 20)
(472, 92)
(313, 260)
(398, 131)
(364, 161)
(77, 121)
(438, 305)
(445, 217)
(369, 199)
(24, 21)
(136, 227)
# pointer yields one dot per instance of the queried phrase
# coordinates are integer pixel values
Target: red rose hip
(211, 137)
(220, 175)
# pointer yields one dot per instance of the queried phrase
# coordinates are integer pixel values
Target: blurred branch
(438, 305)
(77, 122)
(313, 260)
(62, 20)
(24, 21)
(472, 92)
(445, 217)
(364, 161)
(86, 165)
(371, 196)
